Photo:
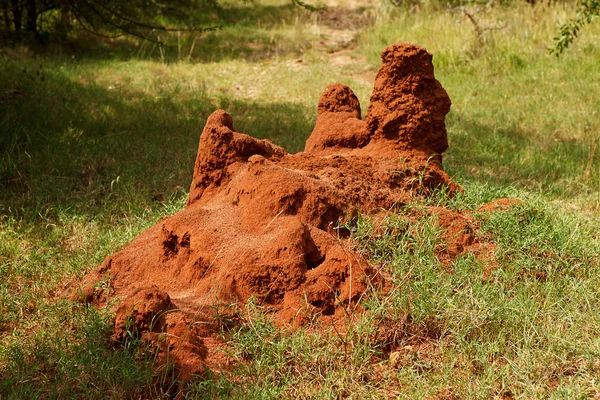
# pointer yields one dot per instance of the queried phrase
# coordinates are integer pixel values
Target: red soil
(263, 224)
(500, 204)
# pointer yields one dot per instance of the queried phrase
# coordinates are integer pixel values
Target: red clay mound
(263, 224)
(408, 104)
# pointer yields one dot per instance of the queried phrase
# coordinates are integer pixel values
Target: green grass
(98, 141)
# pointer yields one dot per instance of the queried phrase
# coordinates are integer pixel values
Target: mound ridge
(264, 224)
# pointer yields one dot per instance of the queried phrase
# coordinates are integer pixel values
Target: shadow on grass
(504, 156)
(77, 146)
(72, 148)
(246, 31)
(79, 363)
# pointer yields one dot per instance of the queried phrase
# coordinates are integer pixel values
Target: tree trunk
(17, 15)
(64, 20)
(31, 16)
(5, 8)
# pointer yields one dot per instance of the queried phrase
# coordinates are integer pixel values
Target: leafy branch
(307, 6)
(113, 18)
(567, 32)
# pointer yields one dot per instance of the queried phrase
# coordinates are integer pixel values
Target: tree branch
(145, 25)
